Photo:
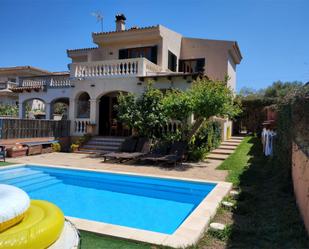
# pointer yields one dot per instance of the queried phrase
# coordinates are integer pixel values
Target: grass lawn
(4, 163)
(265, 214)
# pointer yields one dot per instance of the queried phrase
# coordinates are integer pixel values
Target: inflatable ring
(14, 203)
(40, 227)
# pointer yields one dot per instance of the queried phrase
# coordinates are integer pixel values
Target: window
(83, 106)
(192, 65)
(172, 61)
(149, 53)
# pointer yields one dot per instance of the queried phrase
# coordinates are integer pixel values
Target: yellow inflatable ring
(41, 227)
(14, 202)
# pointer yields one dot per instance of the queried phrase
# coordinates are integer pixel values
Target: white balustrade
(80, 126)
(172, 126)
(110, 68)
(53, 81)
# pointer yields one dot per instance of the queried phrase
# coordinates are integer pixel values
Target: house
(124, 60)
(9, 77)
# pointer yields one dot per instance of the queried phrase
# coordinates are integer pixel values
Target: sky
(273, 35)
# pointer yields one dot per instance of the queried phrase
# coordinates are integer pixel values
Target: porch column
(93, 111)
(72, 115)
(48, 111)
(21, 111)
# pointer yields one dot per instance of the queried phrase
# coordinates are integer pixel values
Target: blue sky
(273, 35)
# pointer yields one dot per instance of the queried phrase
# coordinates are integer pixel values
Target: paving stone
(227, 204)
(217, 226)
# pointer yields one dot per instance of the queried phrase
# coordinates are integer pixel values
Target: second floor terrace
(42, 83)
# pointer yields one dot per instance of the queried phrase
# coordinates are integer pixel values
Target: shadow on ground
(266, 215)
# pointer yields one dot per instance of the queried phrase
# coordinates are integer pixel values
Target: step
(17, 175)
(230, 148)
(229, 144)
(100, 147)
(116, 139)
(15, 180)
(85, 151)
(12, 170)
(220, 151)
(94, 142)
(31, 182)
(217, 156)
(39, 186)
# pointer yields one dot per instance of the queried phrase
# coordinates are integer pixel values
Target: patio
(203, 170)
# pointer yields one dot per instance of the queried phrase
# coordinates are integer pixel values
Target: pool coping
(188, 233)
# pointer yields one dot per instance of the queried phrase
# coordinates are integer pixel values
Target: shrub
(207, 138)
(74, 147)
(56, 147)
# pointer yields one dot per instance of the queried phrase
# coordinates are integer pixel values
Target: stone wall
(300, 175)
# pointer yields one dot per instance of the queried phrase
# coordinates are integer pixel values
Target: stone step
(217, 156)
(96, 142)
(229, 144)
(222, 151)
(85, 151)
(87, 147)
(230, 148)
(114, 139)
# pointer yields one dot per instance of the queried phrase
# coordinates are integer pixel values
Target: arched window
(83, 106)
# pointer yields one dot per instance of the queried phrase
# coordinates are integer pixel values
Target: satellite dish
(98, 15)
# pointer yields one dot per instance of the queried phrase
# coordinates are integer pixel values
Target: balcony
(115, 68)
(44, 82)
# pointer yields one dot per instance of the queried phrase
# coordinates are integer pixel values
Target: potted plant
(74, 147)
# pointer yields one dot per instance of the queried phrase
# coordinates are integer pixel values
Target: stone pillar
(21, 111)
(72, 115)
(48, 111)
(93, 111)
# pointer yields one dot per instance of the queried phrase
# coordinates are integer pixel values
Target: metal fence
(32, 128)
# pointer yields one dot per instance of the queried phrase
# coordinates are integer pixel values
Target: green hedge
(207, 138)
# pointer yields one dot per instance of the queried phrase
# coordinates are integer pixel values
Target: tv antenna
(98, 15)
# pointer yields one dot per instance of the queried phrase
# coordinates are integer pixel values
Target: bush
(56, 147)
(207, 138)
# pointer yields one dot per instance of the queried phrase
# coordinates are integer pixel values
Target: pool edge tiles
(186, 234)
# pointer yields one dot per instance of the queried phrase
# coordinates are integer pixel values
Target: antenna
(98, 15)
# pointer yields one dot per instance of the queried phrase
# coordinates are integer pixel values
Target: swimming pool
(153, 204)
(158, 205)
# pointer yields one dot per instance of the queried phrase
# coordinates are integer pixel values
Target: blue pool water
(154, 204)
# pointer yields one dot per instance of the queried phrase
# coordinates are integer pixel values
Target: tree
(144, 114)
(205, 99)
(8, 110)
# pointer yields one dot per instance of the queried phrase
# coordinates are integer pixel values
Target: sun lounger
(160, 150)
(142, 148)
(176, 154)
(128, 146)
(2, 152)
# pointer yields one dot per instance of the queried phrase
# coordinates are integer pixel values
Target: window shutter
(154, 52)
(200, 63)
(123, 54)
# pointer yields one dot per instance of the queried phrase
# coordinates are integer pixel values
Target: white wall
(231, 71)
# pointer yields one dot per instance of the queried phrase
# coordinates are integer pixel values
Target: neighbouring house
(9, 78)
(124, 60)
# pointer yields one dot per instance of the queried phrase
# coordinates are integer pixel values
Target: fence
(28, 128)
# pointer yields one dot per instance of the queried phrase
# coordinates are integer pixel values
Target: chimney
(120, 22)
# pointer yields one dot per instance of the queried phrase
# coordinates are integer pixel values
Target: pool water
(154, 204)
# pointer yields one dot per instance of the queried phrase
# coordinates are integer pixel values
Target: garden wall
(300, 176)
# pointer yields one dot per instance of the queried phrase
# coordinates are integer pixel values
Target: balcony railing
(48, 81)
(110, 68)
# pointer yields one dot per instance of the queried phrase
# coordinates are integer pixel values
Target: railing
(172, 127)
(80, 126)
(49, 81)
(110, 68)
(32, 128)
